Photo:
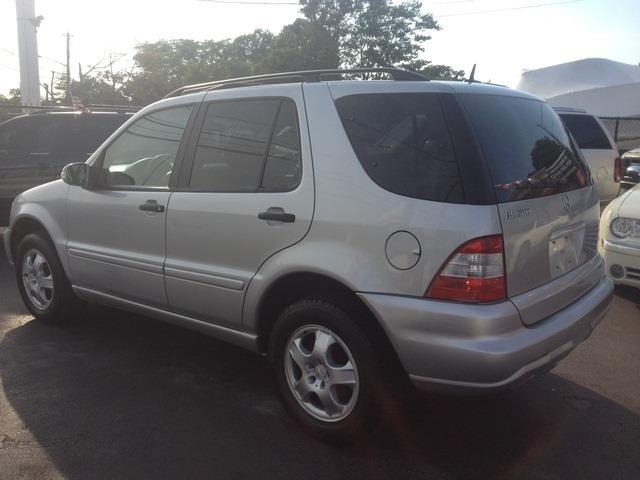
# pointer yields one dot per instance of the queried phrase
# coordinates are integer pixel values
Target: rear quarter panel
(601, 163)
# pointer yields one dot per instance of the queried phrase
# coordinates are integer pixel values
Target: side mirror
(78, 174)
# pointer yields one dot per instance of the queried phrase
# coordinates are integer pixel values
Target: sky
(501, 43)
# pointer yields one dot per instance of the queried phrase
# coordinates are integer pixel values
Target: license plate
(565, 250)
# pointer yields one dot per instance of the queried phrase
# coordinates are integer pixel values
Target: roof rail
(305, 76)
(88, 108)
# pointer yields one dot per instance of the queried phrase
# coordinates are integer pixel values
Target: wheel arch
(295, 286)
(22, 227)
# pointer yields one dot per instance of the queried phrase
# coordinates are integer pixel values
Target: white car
(599, 149)
(620, 238)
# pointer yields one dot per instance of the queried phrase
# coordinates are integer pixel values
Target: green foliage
(303, 45)
(13, 98)
(9, 105)
(373, 33)
(441, 72)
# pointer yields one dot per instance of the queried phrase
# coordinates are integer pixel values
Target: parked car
(35, 147)
(599, 150)
(355, 232)
(620, 238)
(630, 169)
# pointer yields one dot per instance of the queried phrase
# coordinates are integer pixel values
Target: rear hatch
(547, 203)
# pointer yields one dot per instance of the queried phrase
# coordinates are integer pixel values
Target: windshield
(527, 148)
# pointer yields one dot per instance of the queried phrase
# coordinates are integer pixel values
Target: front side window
(248, 146)
(145, 153)
(403, 143)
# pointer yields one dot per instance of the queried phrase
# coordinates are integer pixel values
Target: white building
(600, 86)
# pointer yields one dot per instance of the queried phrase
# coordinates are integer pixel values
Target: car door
(247, 193)
(116, 231)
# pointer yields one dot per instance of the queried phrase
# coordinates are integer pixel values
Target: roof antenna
(473, 74)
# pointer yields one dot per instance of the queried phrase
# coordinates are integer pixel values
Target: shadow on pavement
(122, 396)
(629, 293)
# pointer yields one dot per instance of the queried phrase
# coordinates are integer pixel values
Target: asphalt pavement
(120, 396)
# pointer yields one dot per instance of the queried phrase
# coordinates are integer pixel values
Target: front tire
(43, 285)
(328, 370)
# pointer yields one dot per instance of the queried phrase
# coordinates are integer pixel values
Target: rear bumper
(627, 257)
(457, 348)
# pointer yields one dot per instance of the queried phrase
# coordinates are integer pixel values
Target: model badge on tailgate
(520, 212)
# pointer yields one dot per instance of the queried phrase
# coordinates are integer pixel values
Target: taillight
(474, 273)
(617, 170)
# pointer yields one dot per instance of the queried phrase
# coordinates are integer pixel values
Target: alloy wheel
(321, 373)
(37, 279)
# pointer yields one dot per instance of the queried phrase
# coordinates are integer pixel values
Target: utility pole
(28, 50)
(68, 35)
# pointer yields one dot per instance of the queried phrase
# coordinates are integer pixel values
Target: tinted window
(93, 130)
(58, 135)
(247, 145)
(232, 145)
(587, 132)
(145, 153)
(527, 148)
(283, 169)
(12, 138)
(403, 143)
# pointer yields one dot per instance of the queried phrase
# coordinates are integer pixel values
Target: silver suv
(357, 233)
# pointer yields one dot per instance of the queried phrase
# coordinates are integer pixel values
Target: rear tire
(42, 282)
(329, 371)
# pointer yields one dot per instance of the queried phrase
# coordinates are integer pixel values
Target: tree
(372, 33)
(303, 45)
(441, 72)
(10, 104)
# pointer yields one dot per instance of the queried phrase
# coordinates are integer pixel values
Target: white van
(599, 150)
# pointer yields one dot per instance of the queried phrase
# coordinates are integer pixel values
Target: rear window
(587, 132)
(526, 147)
(403, 143)
(59, 134)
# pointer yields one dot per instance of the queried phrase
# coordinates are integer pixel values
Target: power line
(249, 2)
(522, 7)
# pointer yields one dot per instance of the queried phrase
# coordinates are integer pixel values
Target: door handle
(277, 214)
(151, 206)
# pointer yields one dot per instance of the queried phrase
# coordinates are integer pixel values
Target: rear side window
(403, 143)
(248, 146)
(587, 132)
(527, 148)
